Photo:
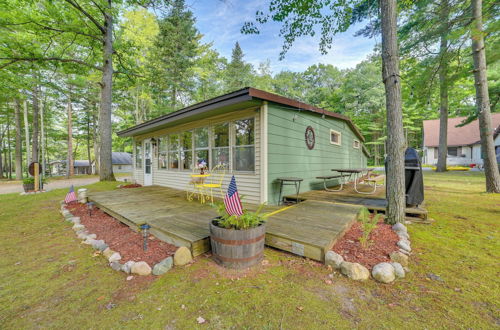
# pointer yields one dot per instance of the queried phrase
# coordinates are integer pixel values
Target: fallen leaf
(129, 278)
(328, 282)
(183, 306)
(300, 308)
(200, 320)
(101, 298)
(265, 262)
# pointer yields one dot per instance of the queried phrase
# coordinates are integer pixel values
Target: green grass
(50, 280)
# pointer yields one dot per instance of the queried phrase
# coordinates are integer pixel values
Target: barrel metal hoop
(227, 259)
(238, 242)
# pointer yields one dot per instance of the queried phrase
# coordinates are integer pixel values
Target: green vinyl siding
(288, 154)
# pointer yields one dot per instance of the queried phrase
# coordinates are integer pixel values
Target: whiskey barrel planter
(28, 187)
(237, 249)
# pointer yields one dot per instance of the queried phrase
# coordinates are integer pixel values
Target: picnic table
(353, 174)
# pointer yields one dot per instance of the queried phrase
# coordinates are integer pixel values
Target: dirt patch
(383, 241)
(121, 238)
(132, 185)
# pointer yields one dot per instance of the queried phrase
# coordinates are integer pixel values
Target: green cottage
(256, 135)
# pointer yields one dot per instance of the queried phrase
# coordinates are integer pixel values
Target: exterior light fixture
(90, 207)
(145, 233)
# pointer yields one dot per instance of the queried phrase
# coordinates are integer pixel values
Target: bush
(31, 180)
(368, 224)
(245, 221)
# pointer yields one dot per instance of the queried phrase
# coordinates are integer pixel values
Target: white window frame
(232, 144)
(339, 135)
(356, 144)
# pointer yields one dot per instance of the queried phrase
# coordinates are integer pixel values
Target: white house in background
(464, 145)
(122, 162)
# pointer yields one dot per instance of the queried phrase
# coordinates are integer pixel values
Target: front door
(148, 161)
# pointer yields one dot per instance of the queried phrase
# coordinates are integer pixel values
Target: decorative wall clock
(310, 137)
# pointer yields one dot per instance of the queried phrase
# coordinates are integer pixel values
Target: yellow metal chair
(215, 181)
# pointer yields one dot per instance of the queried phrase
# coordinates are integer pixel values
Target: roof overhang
(247, 96)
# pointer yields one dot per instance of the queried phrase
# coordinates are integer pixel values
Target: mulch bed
(383, 241)
(120, 237)
(132, 185)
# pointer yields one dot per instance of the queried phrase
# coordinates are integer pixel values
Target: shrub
(368, 224)
(31, 180)
(245, 221)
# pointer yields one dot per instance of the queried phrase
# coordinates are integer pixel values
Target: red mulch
(383, 241)
(121, 238)
(132, 185)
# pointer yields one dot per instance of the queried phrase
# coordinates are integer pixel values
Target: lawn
(50, 280)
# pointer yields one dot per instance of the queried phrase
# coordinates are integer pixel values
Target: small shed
(122, 162)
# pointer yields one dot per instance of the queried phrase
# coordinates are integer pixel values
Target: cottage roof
(247, 94)
(121, 158)
(457, 136)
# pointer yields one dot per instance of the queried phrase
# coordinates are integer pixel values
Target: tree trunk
(1, 155)
(443, 87)
(395, 138)
(88, 141)
(95, 138)
(42, 137)
(19, 140)
(483, 100)
(36, 111)
(9, 147)
(27, 134)
(105, 167)
(70, 169)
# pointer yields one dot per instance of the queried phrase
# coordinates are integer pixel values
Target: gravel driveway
(7, 188)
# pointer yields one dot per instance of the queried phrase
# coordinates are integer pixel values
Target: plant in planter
(29, 183)
(238, 240)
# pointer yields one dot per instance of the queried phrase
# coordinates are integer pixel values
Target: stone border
(181, 257)
(385, 272)
(32, 192)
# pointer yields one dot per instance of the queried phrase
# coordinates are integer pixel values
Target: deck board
(308, 229)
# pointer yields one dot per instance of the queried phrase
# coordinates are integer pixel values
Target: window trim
(339, 134)
(164, 139)
(354, 142)
(233, 146)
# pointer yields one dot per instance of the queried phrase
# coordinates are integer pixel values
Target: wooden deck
(375, 203)
(308, 229)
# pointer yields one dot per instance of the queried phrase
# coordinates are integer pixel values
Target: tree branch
(84, 12)
(69, 31)
(13, 60)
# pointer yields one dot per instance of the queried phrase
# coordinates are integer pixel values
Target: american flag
(70, 196)
(232, 200)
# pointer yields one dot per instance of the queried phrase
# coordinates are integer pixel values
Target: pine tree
(238, 73)
(175, 52)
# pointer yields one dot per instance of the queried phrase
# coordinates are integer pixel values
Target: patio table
(198, 185)
(289, 181)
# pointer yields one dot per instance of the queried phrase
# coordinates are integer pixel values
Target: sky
(220, 22)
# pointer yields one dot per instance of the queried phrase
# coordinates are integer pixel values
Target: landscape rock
(89, 241)
(114, 257)
(182, 256)
(354, 271)
(75, 220)
(163, 266)
(399, 227)
(127, 267)
(77, 227)
(333, 259)
(403, 235)
(107, 252)
(404, 244)
(82, 234)
(140, 268)
(93, 236)
(99, 245)
(115, 265)
(398, 269)
(404, 252)
(384, 272)
(399, 257)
